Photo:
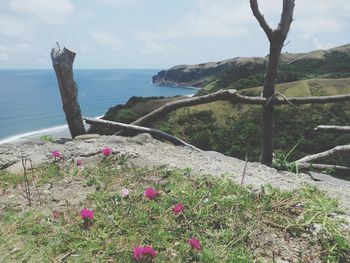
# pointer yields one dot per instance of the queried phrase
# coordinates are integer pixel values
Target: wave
(56, 131)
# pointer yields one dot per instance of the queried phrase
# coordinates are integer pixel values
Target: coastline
(60, 131)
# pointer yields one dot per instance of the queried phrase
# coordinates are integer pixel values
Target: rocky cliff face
(201, 74)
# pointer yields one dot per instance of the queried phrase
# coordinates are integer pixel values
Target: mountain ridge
(218, 73)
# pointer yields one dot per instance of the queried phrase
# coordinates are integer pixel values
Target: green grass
(310, 87)
(226, 218)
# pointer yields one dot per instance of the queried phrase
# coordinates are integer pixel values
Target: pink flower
(56, 154)
(151, 193)
(125, 192)
(107, 151)
(87, 214)
(79, 162)
(195, 243)
(56, 214)
(144, 252)
(178, 209)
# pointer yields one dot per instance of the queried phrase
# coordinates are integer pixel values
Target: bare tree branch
(331, 128)
(337, 149)
(171, 106)
(233, 96)
(303, 166)
(256, 12)
(286, 17)
(155, 132)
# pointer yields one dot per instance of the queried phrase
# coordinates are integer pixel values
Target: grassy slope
(235, 129)
(233, 224)
(292, 123)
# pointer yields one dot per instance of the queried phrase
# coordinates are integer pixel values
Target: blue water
(30, 99)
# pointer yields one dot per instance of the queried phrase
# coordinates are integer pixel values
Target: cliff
(245, 72)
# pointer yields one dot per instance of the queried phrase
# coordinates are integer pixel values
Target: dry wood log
(332, 128)
(233, 96)
(154, 132)
(337, 149)
(62, 61)
(302, 166)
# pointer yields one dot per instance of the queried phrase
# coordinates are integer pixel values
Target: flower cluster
(56, 154)
(144, 252)
(151, 193)
(178, 209)
(195, 243)
(107, 151)
(87, 214)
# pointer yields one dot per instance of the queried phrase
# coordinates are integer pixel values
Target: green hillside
(235, 129)
(245, 72)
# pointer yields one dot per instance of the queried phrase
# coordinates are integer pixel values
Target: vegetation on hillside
(235, 129)
(226, 223)
(334, 64)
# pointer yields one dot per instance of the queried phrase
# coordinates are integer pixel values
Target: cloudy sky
(158, 33)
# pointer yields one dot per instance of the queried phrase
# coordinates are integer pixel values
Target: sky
(158, 33)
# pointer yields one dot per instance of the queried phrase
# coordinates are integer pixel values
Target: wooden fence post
(62, 61)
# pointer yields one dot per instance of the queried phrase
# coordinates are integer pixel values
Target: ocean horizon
(30, 102)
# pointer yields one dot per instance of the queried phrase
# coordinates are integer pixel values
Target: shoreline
(60, 131)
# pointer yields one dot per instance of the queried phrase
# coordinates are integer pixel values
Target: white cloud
(50, 11)
(16, 48)
(319, 24)
(153, 47)
(214, 19)
(11, 27)
(325, 16)
(316, 42)
(116, 3)
(10, 51)
(210, 19)
(4, 56)
(106, 38)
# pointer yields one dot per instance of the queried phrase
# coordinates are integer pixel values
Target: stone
(113, 139)
(141, 138)
(86, 136)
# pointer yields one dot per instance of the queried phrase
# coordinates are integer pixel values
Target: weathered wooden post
(62, 61)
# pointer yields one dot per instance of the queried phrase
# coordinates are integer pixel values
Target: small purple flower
(195, 243)
(56, 154)
(107, 151)
(79, 162)
(151, 193)
(144, 252)
(87, 214)
(125, 192)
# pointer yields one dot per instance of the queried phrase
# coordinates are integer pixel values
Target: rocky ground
(143, 150)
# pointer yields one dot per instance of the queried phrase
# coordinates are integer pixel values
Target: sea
(31, 107)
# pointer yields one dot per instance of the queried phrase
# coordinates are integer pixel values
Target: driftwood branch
(335, 150)
(154, 132)
(62, 61)
(171, 106)
(303, 166)
(261, 19)
(331, 128)
(233, 96)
